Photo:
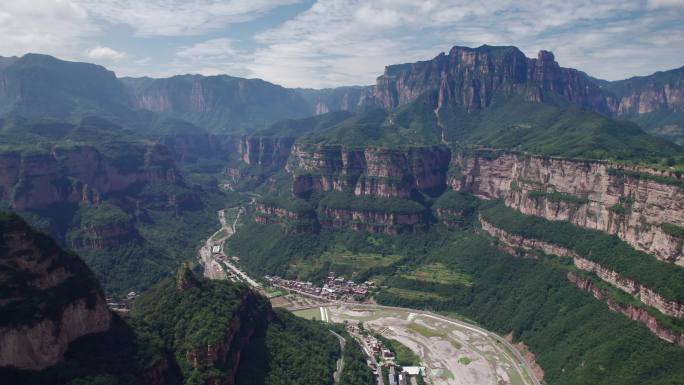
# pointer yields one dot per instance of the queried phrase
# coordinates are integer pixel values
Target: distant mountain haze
(40, 85)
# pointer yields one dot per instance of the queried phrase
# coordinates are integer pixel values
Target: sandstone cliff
(471, 77)
(293, 219)
(265, 151)
(633, 203)
(371, 171)
(661, 91)
(74, 174)
(634, 313)
(50, 298)
(513, 243)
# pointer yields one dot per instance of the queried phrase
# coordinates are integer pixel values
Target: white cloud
(54, 27)
(350, 41)
(105, 53)
(210, 49)
(179, 17)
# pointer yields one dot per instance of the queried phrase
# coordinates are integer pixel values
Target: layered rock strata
(38, 180)
(634, 313)
(633, 203)
(371, 171)
(644, 294)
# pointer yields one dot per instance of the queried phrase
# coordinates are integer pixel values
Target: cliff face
(219, 103)
(470, 77)
(632, 203)
(238, 333)
(38, 180)
(514, 245)
(370, 221)
(375, 172)
(299, 221)
(636, 314)
(646, 295)
(645, 94)
(38, 322)
(265, 151)
(107, 235)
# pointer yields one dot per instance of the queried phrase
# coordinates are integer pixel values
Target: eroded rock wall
(644, 294)
(38, 180)
(606, 197)
(371, 171)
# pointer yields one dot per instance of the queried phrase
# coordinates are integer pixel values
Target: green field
(314, 313)
(413, 294)
(343, 264)
(440, 273)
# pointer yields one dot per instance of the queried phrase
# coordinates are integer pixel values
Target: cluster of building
(334, 288)
(377, 354)
(123, 305)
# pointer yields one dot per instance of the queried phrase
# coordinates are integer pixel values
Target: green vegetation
(555, 196)
(342, 200)
(439, 273)
(609, 251)
(403, 355)
(290, 350)
(465, 361)
(646, 176)
(31, 303)
(673, 230)
(355, 371)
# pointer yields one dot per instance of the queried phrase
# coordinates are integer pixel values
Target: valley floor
(452, 351)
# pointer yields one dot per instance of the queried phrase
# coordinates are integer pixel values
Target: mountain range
(536, 200)
(39, 85)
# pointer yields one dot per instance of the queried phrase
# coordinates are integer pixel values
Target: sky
(329, 43)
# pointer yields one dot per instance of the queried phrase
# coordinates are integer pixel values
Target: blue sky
(326, 43)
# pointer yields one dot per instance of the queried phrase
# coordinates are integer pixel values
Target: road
(340, 361)
(214, 270)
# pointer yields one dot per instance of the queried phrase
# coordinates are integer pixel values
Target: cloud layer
(323, 43)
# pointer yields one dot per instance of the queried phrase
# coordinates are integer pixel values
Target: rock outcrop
(374, 172)
(513, 243)
(471, 77)
(634, 313)
(391, 223)
(265, 151)
(50, 298)
(631, 202)
(300, 221)
(72, 174)
(661, 91)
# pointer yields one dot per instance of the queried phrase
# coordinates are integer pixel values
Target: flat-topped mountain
(40, 85)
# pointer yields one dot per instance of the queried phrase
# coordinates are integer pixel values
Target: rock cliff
(218, 103)
(633, 203)
(297, 220)
(265, 151)
(49, 298)
(634, 313)
(471, 77)
(661, 91)
(371, 171)
(73, 174)
(646, 295)
(390, 223)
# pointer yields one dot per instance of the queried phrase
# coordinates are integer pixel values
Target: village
(379, 357)
(334, 288)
